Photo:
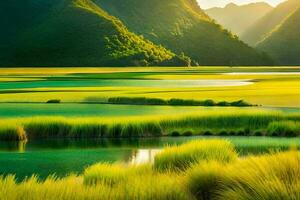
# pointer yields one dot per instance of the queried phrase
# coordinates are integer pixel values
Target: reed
(284, 129)
(240, 122)
(271, 176)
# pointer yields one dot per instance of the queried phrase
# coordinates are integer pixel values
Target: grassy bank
(242, 123)
(270, 176)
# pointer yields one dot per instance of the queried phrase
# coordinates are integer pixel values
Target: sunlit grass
(211, 177)
(240, 122)
(184, 156)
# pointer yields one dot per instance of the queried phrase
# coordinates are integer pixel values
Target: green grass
(215, 122)
(182, 157)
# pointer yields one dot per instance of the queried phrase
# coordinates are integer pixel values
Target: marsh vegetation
(207, 176)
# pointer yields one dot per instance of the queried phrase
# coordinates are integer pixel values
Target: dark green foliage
(175, 134)
(223, 133)
(207, 133)
(77, 33)
(54, 101)
(283, 44)
(181, 26)
(240, 103)
(241, 133)
(258, 133)
(188, 133)
(137, 101)
(173, 102)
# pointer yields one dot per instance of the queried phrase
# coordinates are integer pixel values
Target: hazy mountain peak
(239, 18)
(259, 30)
(231, 5)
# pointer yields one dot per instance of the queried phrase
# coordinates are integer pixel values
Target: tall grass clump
(203, 180)
(182, 157)
(284, 128)
(224, 121)
(112, 174)
(12, 133)
(63, 128)
(146, 187)
(263, 178)
(135, 182)
(271, 176)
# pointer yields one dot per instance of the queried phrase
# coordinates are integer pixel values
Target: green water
(62, 157)
(8, 110)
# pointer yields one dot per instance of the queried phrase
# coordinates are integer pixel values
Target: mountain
(270, 21)
(283, 43)
(72, 33)
(183, 27)
(239, 18)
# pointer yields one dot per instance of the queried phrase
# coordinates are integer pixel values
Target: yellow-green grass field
(206, 175)
(274, 86)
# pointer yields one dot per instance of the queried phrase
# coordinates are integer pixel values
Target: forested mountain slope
(72, 33)
(182, 27)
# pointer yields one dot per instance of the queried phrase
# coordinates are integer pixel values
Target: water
(123, 83)
(62, 157)
(8, 110)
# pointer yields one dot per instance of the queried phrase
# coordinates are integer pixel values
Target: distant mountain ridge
(263, 27)
(283, 43)
(239, 18)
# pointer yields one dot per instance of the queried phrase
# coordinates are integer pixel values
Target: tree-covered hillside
(270, 21)
(72, 33)
(182, 26)
(283, 43)
(239, 18)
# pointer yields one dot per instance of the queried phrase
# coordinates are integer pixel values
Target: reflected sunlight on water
(142, 156)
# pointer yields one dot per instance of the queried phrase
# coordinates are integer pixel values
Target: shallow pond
(62, 157)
